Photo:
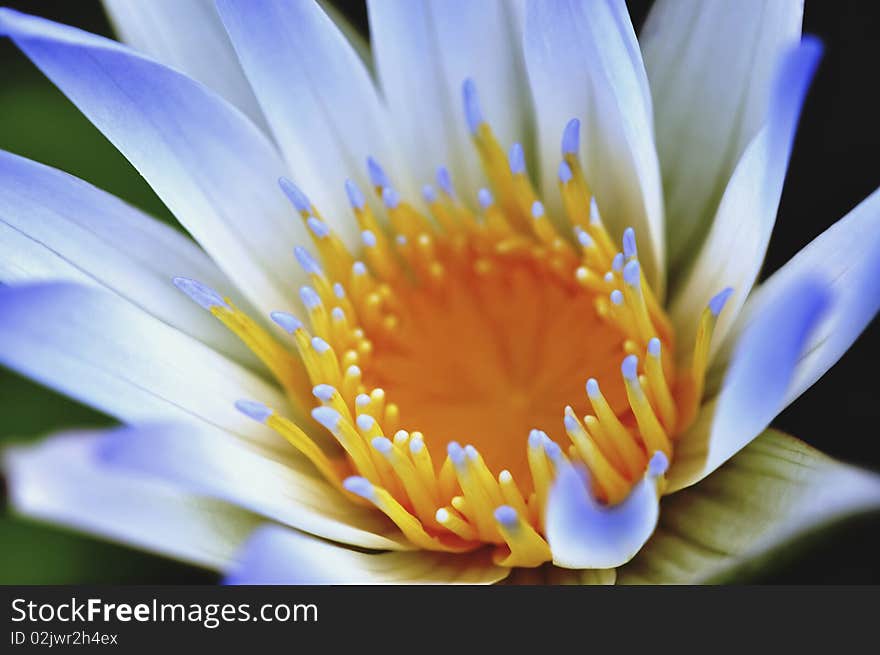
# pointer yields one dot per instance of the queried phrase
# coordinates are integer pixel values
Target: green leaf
(773, 491)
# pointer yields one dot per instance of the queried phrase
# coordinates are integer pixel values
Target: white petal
(757, 381)
(847, 257)
(288, 490)
(187, 36)
(584, 62)
(54, 226)
(710, 66)
(424, 52)
(214, 169)
(735, 246)
(583, 534)
(107, 353)
(62, 481)
(318, 97)
(775, 490)
(275, 555)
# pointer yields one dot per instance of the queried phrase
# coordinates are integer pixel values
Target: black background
(834, 166)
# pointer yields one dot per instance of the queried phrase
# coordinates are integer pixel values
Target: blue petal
(211, 166)
(318, 97)
(63, 480)
(189, 37)
(757, 381)
(734, 249)
(583, 534)
(54, 226)
(276, 555)
(103, 351)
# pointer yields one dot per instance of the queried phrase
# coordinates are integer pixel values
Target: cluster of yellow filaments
(475, 325)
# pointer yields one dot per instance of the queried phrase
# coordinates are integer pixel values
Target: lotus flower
(495, 376)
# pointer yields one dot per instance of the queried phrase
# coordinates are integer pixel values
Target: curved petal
(583, 62)
(756, 383)
(710, 66)
(735, 246)
(584, 534)
(319, 99)
(54, 226)
(105, 352)
(773, 491)
(275, 555)
(847, 256)
(61, 480)
(187, 36)
(288, 491)
(424, 52)
(214, 169)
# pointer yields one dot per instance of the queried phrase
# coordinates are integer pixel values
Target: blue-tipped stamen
(355, 196)
(368, 238)
(295, 195)
(629, 367)
(323, 392)
(288, 322)
(629, 244)
(377, 173)
(484, 196)
(202, 294)
(506, 516)
(583, 238)
(571, 137)
(319, 345)
(308, 263)
(516, 158)
(537, 209)
(472, 112)
(390, 197)
(456, 453)
(719, 300)
(632, 273)
(254, 410)
(359, 487)
(444, 181)
(309, 297)
(318, 227)
(382, 444)
(429, 194)
(327, 417)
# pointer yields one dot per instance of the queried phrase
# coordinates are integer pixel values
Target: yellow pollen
(533, 346)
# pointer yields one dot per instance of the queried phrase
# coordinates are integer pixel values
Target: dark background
(834, 166)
